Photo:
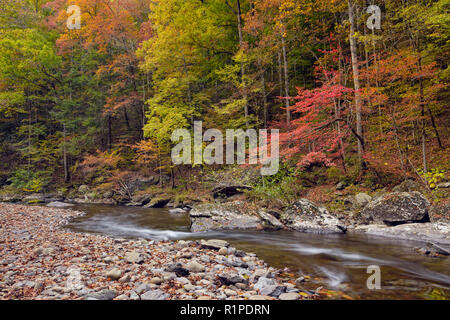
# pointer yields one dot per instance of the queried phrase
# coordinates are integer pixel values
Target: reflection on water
(336, 261)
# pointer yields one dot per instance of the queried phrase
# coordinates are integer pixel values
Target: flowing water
(336, 262)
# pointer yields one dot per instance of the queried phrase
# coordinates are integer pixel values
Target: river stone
(362, 199)
(224, 216)
(134, 257)
(269, 287)
(269, 221)
(156, 280)
(114, 274)
(177, 211)
(398, 208)
(194, 266)
(178, 269)
(231, 278)
(104, 294)
(289, 296)
(57, 204)
(155, 295)
(214, 244)
(305, 216)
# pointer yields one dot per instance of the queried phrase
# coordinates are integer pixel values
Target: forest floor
(42, 260)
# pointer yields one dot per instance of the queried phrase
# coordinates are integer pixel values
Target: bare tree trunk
(422, 107)
(241, 45)
(29, 139)
(66, 168)
(238, 13)
(355, 67)
(286, 81)
(280, 75)
(109, 133)
(265, 109)
(433, 124)
(172, 174)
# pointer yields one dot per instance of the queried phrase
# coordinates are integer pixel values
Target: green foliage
(278, 190)
(29, 181)
(335, 175)
(433, 176)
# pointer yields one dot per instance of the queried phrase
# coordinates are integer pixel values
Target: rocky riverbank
(404, 213)
(42, 260)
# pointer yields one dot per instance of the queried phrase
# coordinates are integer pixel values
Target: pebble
(194, 266)
(289, 296)
(156, 280)
(56, 263)
(114, 274)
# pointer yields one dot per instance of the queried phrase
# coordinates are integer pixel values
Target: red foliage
(319, 125)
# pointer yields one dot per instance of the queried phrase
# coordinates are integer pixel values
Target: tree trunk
(422, 107)
(172, 174)
(265, 109)
(286, 81)
(241, 45)
(66, 167)
(355, 67)
(280, 75)
(109, 133)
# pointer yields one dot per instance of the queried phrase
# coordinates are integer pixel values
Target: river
(336, 262)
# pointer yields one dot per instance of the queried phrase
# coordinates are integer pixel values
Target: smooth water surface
(337, 262)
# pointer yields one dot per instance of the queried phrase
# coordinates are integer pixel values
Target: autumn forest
(355, 99)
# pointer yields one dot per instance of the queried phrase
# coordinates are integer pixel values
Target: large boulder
(440, 212)
(269, 221)
(34, 198)
(10, 198)
(409, 186)
(362, 199)
(398, 208)
(214, 244)
(431, 232)
(158, 202)
(305, 216)
(222, 217)
(57, 204)
(226, 191)
(139, 200)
